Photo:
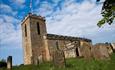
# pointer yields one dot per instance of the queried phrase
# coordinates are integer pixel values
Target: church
(38, 45)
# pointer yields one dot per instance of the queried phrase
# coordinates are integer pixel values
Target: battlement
(30, 15)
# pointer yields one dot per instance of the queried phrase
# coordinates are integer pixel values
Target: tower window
(25, 31)
(38, 28)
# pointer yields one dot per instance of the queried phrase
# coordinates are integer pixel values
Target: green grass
(73, 64)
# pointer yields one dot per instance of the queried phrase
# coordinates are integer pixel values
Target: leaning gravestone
(58, 58)
(9, 63)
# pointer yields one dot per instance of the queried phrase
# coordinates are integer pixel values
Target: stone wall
(101, 51)
(38, 41)
(69, 47)
(26, 40)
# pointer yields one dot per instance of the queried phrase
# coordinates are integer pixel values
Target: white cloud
(44, 9)
(8, 32)
(86, 6)
(18, 4)
(7, 9)
(80, 20)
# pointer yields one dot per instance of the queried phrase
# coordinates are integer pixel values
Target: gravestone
(113, 47)
(86, 50)
(100, 51)
(9, 62)
(58, 57)
(37, 60)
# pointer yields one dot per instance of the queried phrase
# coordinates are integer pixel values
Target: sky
(65, 17)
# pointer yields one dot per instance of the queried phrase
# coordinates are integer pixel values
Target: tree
(3, 63)
(108, 12)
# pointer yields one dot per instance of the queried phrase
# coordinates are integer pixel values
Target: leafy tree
(2, 60)
(108, 12)
(3, 63)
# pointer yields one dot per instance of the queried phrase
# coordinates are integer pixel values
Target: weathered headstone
(113, 47)
(58, 58)
(85, 50)
(9, 62)
(37, 60)
(100, 51)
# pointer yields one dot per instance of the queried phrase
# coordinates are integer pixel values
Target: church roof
(61, 37)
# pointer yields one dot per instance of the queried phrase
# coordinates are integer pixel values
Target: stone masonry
(39, 46)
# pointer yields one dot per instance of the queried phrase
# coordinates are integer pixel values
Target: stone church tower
(34, 42)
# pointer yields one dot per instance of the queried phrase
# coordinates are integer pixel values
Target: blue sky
(65, 17)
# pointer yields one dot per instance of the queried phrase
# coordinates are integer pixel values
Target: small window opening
(25, 31)
(38, 28)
